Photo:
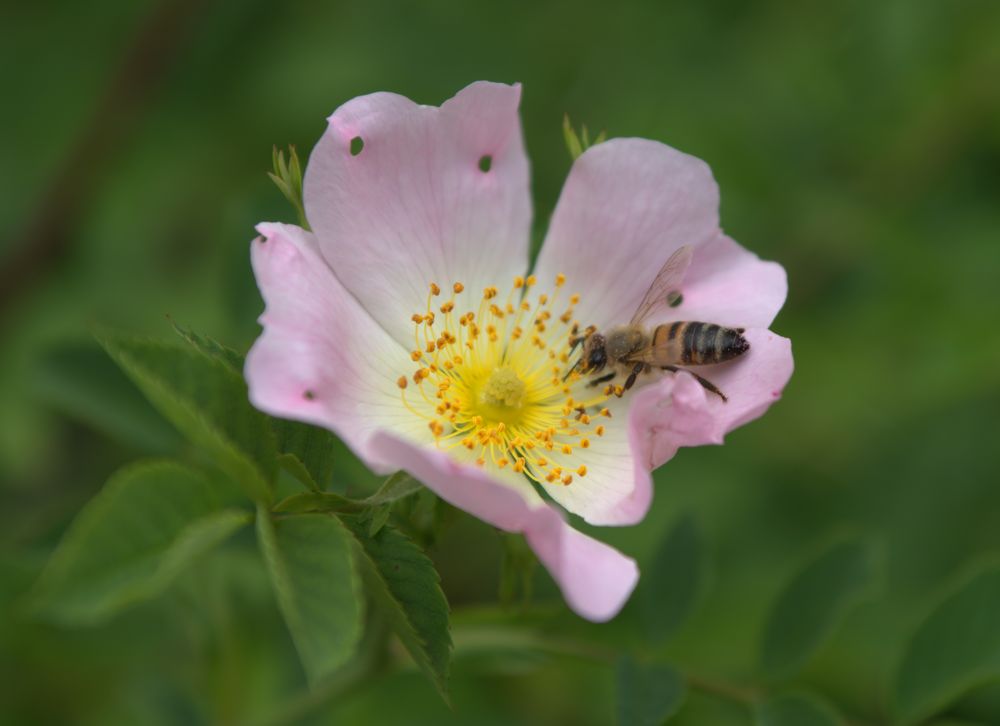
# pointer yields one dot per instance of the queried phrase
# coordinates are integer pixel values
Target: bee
(633, 349)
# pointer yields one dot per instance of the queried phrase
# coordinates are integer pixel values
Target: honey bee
(633, 348)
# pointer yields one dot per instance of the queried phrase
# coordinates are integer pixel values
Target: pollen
(496, 383)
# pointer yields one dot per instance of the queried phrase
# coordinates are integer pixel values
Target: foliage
(854, 142)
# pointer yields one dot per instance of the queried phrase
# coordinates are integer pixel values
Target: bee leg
(636, 370)
(602, 379)
(706, 384)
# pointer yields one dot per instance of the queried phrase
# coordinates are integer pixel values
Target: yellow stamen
(497, 383)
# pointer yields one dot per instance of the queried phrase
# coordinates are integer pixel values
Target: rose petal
(616, 488)
(595, 579)
(413, 206)
(321, 358)
(677, 411)
(627, 205)
(728, 285)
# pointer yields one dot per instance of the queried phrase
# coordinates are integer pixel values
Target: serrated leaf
(210, 347)
(812, 603)
(396, 487)
(408, 590)
(207, 401)
(648, 694)
(311, 564)
(671, 585)
(954, 650)
(308, 451)
(82, 381)
(148, 522)
(317, 502)
(796, 709)
(311, 447)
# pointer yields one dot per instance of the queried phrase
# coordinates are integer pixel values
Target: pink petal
(595, 579)
(728, 285)
(321, 358)
(413, 207)
(677, 411)
(627, 205)
(617, 487)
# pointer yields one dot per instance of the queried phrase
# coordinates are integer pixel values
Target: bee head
(594, 354)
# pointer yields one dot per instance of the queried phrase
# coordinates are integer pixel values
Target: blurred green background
(858, 143)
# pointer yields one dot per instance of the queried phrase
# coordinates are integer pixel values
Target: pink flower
(398, 323)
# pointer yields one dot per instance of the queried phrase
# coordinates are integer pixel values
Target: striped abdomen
(696, 344)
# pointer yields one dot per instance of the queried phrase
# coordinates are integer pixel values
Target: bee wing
(667, 279)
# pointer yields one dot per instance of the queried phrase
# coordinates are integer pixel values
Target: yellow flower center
(498, 380)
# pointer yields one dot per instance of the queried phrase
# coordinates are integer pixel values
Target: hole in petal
(674, 298)
(357, 144)
(309, 395)
(262, 239)
(485, 163)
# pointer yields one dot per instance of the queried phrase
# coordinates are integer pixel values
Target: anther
(435, 290)
(401, 382)
(560, 280)
(458, 287)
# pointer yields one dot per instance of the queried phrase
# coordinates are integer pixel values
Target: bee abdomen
(707, 343)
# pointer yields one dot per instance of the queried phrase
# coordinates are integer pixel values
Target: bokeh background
(858, 143)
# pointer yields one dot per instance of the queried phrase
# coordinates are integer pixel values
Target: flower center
(503, 393)
(498, 381)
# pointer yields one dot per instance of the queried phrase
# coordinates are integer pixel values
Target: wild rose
(406, 322)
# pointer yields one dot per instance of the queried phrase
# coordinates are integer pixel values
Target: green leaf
(796, 709)
(316, 502)
(312, 570)
(648, 694)
(80, 379)
(954, 650)
(396, 487)
(128, 543)
(823, 590)
(669, 588)
(207, 401)
(210, 347)
(408, 590)
(307, 452)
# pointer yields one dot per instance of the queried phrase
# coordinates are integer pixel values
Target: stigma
(494, 382)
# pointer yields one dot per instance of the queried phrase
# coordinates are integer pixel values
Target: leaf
(312, 570)
(307, 451)
(408, 590)
(210, 347)
(128, 543)
(207, 401)
(79, 379)
(648, 694)
(396, 487)
(796, 709)
(671, 586)
(813, 602)
(317, 502)
(954, 650)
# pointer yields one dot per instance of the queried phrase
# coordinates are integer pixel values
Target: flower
(406, 321)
